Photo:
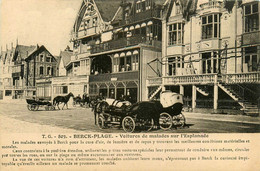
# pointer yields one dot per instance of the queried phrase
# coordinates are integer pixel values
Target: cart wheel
(101, 122)
(147, 124)
(29, 107)
(34, 106)
(128, 124)
(179, 120)
(165, 121)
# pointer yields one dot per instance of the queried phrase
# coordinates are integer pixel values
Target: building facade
(211, 54)
(22, 66)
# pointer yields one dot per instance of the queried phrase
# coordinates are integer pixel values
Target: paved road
(82, 120)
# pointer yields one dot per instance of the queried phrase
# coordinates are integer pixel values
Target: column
(194, 96)
(181, 90)
(215, 100)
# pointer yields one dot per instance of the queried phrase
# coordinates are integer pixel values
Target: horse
(62, 99)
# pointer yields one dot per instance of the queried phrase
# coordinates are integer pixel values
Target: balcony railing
(114, 77)
(253, 77)
(124, 42)
(190, 79)
(211, 4)
(155, 81)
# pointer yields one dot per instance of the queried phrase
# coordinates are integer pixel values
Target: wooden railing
(124, 42)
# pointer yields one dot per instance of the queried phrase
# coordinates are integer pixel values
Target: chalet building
(211, 54)
(22, 66)
(113, 42)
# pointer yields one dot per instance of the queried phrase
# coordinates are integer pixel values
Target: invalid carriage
(33, 104)
(164, 113)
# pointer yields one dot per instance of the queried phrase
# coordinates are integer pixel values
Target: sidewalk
(222, 117)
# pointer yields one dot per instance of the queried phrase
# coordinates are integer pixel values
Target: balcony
(133, 75)
(251, 38)
(152, 13)
(211, 4)
(124, 42)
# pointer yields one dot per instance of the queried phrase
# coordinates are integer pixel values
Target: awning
(122, 54)
(135, 52)
(137, 26)
(143, 25)
(126, 29)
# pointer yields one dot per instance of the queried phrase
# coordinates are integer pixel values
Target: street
(78, 119)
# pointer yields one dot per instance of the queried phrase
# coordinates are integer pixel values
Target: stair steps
(155, 92)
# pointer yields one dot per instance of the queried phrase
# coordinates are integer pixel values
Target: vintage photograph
(130, 66)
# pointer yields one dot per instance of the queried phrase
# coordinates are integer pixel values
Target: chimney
(6, 48)
(123, 6)
(17, 41)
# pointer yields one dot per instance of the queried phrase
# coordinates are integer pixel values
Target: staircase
(153, 93)
(237, 92)
(202, 91)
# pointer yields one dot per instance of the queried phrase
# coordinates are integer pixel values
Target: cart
(33, 104)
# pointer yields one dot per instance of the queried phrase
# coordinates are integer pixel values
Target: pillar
(181, 90)
(194, 96)
(215, 100)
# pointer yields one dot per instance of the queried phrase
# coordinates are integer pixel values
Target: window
(135, 62)
(176, 33)
(65, 89)
(95, 22)
(210, 62)
(252, 60)
(174, 64)
(41, 58)
(48, 59)
(41, 70)
(128, 63)
(251, 17)
(122, 64)
(211, 26)
(8, 92)
(49, 69)
(116, 64)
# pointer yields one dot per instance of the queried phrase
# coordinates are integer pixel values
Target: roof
(36, 51)
(24, 51)
(6, 56)
(65, 56)
(107, 9)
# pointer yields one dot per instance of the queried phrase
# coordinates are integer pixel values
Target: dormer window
(251, 17)
(178, 9)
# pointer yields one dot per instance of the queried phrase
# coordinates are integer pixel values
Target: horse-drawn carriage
(33, 104)
(83, 102)
(165, 113)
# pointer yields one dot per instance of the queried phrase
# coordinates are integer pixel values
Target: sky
(43, 22)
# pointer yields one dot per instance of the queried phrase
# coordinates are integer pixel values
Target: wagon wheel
(165, 121)
(147, 124)
(179, 120)
(128, 124)
(101, 122)
(34, 106)
(29, 107)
